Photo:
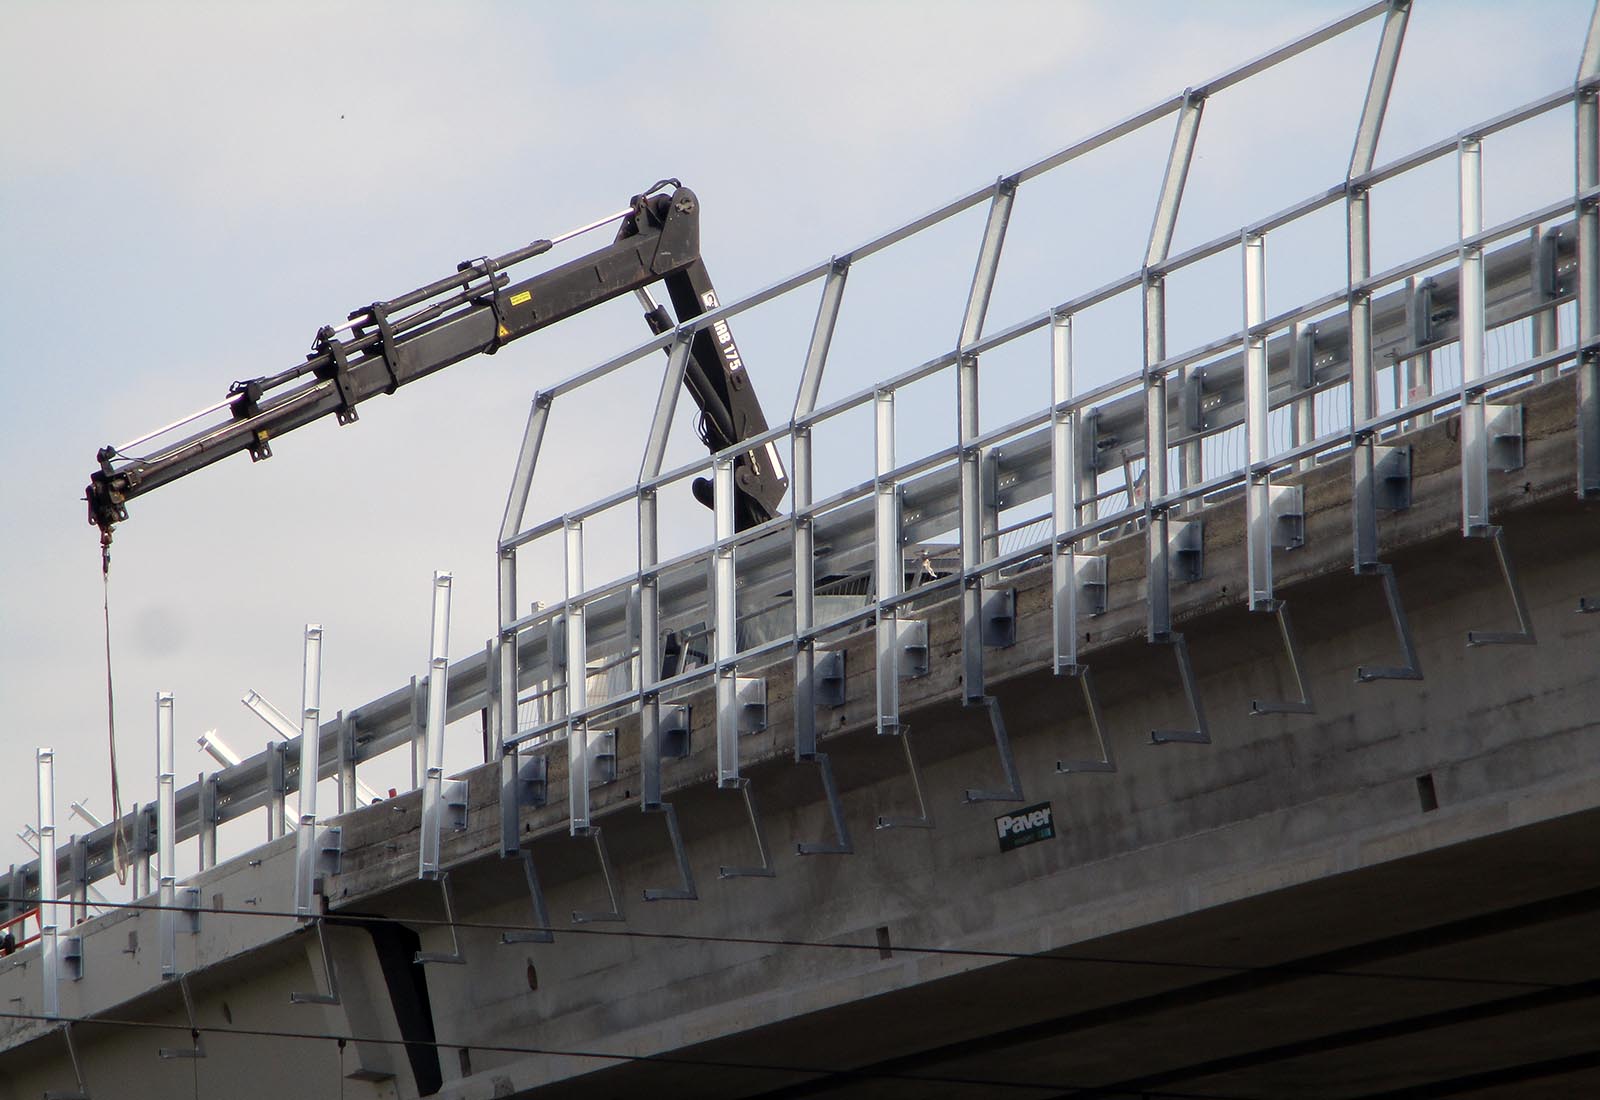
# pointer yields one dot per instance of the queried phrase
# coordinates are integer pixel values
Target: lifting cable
(119, 841)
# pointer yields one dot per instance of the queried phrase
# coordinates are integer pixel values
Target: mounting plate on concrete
(1186, 544)
(913, 636)
(602, 757)
(1391, 474)
(533, 781)
(330, 850)
(1000, 618)
(1504, 424)
(1288, 516)
(672, 732)
(1090, 570)
(752, 693)
(453, 796)
(828, 678)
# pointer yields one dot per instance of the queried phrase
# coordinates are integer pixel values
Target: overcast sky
(187, 191)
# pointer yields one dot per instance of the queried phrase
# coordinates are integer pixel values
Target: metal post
(49, 954)
(1587, 174)
(800, 488)
(1063, 495)
(507, 682)
(1303, 345)
(649, 583)
(1158, 619)
(725, 605)
(1190, 459)
(310, 736)
(978, 523)
(971, 529)
(889, 564)
(1474, 430)
(805, 596)
(438, 697)
(504, 700)
(649, 652)
(1363, 386)
(419, 721)
(576, 689)
(208, 821)
(1363, 381)
(1258, 494)
(278, 783)
(348, 798)
(166, 836)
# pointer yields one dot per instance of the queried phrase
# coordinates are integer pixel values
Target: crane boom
(477, 311)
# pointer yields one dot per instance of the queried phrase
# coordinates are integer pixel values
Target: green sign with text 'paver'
(1025, 826)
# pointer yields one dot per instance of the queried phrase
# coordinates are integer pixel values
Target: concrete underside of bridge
(1395, 896)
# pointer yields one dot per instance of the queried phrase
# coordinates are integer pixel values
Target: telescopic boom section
(475, 312)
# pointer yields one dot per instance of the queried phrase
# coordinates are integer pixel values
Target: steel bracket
(841, 844)
(1000, 617)
(198, 1049)
(189, 903)
(673, 731)
(1503, 425)
(1192, 401)
(1090, 576)
(453, 797)
(1548, 264)
(330, 850)
(602, 750)
(1012, 791)
(1091, 704)
(1305, 358)
(828, 676)
(1420, 313)
(685, 890)
(1302, 705)
(1412, 669)
(533, 782)
(913, 637)
(71, 956)
(453, 957)
(994, 483)
(1287, 504)
(81, 1092)
(752, 695)
(1200, 733)
(331, 997)
(1186, 544)
(764, 869)
(590, 916)
(541, 931)
(1391, 475)
(1523, 635)
(921, 820)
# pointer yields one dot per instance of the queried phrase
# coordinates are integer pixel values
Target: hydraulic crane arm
(478, 310)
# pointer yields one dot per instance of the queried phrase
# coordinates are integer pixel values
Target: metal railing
(1241, 412)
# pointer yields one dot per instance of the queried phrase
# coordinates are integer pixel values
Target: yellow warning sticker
(521, 296)
(504, 332)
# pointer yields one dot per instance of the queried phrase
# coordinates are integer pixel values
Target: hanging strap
(119, 840)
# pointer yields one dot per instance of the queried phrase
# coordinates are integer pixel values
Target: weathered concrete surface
(1273, 914)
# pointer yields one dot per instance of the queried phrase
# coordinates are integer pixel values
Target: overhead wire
(356, 918)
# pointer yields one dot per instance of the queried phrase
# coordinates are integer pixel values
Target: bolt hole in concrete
(533, 976)
(884, 950)
(227, 1013)
(465, 1057)
(1426, 795)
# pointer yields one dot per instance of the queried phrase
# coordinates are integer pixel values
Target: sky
(188, 191)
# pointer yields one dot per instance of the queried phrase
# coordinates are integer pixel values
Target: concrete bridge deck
(1395, 896)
